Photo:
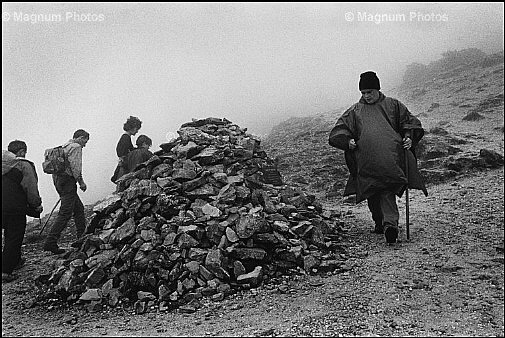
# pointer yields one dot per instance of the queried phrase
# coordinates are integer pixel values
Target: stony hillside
(304, 157)
(459, 100)
(265, 263)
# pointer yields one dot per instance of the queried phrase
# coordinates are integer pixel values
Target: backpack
(55, 161)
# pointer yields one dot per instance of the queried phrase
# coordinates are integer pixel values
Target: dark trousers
(384, 209)
(14, 231)
(71, 205)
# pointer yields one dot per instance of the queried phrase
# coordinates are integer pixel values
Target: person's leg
(14, 233)
(64, 215)
(391, 215)
(374, 205)
(79, 217)
(67, 190)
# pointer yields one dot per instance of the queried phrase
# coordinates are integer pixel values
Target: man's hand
(83, 186)
(352, 144)
(407, 142)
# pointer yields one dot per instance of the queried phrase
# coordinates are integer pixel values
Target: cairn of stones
(199, 219)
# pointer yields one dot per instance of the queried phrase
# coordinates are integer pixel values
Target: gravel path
(448, 280)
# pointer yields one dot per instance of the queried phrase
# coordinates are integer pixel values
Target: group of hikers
(21, 198)
(377, 134)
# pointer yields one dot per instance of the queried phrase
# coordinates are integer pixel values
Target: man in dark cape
(378, 135)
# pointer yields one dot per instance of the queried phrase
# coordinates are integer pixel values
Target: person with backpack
(125, 145)
(20, 197)
(378, 135)
(139, 154)
(66, 185)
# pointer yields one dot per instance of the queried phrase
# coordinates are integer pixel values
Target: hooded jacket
(379, 160)
(19, 185)
(136, 157)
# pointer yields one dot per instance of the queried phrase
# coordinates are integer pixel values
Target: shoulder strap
(65, 157)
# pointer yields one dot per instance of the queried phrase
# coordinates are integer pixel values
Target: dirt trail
(446, 281)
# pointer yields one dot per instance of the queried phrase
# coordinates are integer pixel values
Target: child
(139, 154)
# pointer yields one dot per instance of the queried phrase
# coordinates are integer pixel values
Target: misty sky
(67, 66)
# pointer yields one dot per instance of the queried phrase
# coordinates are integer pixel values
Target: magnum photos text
(412, 16)
(52, 17)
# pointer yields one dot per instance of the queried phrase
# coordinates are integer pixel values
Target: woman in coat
(125, 145)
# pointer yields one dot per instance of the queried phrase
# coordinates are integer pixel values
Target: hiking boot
(21, 263)
(7, 277)
(379, 229)
(54, 249)
(391, 234)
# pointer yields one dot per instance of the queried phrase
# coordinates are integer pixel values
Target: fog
(67, 66)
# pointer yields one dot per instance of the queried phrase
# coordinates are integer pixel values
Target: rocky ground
(447, 280)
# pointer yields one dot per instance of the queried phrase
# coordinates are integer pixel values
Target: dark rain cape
(378, 161)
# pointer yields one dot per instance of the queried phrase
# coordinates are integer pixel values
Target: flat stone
(187, 309)
(235, 179)
(108, 203)
(197, 254)
(143, 296)
(91, 295)
(248, 225)
(95, 276)
(183, 150)
(211, 211)
(206, 274)
(193, 266)
(249, 253)
(227, 194)
(185, 241)
(103, 258)
(124, 232)
(231, 235)
(253, 278)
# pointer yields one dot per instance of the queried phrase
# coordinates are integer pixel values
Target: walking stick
(40, 233)
(407, 194)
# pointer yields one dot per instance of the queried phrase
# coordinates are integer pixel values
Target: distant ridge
(442, 94)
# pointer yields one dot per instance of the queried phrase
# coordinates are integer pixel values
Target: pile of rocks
(199, 219)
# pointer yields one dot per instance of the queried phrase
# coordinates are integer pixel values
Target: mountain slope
(446, 281)
(459, 100)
